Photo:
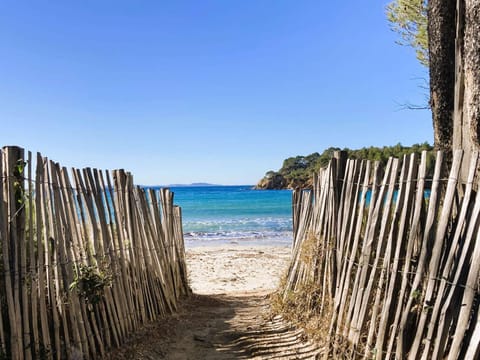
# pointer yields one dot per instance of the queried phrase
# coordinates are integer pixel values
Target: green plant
(18, 171)
(416, 294)
(90, 282)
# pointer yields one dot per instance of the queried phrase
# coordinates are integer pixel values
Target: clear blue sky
(203, 91)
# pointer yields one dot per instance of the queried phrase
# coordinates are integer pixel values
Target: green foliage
(408, 18)
(18, 171)
(298, 170)
(90, 283)
(382, 154)
(416, 294)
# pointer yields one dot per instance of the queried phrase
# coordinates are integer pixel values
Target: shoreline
(234, 268)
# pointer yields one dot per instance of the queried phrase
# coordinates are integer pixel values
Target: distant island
(297, 172)
(199, 184)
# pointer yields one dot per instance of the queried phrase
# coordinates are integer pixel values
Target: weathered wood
(80, 327)
(426, 247)
(407, 278)
(3, 237)
(341, 158)
(462, 223)
(352, 255)
(53, 231)
(119, 219)
(50, 261)
(367, 247)
(24, 241)
(45, 343)
(393, 254)
(143, 258)
(160, 247)
(396, 301)
(133, 251)
(467, 302)
(413, 233)
(114, 298)
(35, 336)
(180, 246)
(473, 350)
(383, 259)
(63, 276)
(106, 308)
(380, 248)
(12, 189)
(363, 257)
(435, 253)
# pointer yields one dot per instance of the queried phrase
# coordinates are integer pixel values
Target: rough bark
(471, 104)
(441, 33)
(458, 124)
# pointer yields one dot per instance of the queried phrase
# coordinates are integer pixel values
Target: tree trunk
(471, 102)
(466, 119)
(441, 33)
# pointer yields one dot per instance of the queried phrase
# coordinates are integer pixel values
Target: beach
(228, 316)
(231, 268)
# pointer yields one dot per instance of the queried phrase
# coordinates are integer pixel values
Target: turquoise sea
(234, 214)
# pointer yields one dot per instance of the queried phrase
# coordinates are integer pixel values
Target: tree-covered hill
(297, 171)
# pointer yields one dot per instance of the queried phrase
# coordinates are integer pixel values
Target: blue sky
(203, 91)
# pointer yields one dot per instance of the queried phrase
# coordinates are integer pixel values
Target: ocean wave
(193, 238)
(240, 224)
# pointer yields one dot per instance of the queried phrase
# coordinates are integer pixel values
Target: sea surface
(215, 215)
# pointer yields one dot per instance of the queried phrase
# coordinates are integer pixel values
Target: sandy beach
(228, 316)
(235, 268)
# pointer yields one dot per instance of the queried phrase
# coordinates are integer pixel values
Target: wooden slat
(10, 263)
(396, 242)
(45, 343)
(80, 325)
(454, 266)
(114, 296)
(26, 239)
(63, 274)
(50, 262)
(356, 222)
(363, 257)
(364, 267)
(413, 231)
(436, 253)
(119, 218)
(35, 335)
(426, 244)
(3, 239)
(445, 273)
(380, 248)
(69, 227)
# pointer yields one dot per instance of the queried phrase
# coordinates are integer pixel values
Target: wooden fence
(85, 260)
(394, 258)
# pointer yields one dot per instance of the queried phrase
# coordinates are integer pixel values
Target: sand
(228, 316)
(236, 269)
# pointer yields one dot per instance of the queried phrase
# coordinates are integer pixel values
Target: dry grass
(302, 306)
(309, 249)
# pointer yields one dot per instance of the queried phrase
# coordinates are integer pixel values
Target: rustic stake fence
(85, 260)
(394, 256)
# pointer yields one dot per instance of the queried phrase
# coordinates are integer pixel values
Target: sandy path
(234, 268)
(228, 317)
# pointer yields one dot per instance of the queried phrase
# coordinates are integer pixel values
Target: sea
(217, 215)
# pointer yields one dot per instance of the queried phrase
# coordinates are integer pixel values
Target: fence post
(341, 161)
(13, 195)
(15, 188)
(296, 208)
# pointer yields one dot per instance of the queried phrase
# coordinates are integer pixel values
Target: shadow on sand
(219, 327)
